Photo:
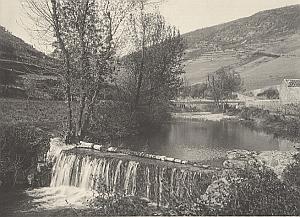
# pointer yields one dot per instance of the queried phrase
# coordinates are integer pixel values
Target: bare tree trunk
(84, 66)
(68, 66)
(141, 72)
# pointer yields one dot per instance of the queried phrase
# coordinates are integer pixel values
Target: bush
(270, 93)
(21, 147)
(122, 206)
(292, 172)
(111, 120)
(258, 191)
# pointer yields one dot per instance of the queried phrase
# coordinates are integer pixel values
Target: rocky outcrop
(218, 193)
(277, 160)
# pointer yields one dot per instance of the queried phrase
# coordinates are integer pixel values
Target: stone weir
(107, 172)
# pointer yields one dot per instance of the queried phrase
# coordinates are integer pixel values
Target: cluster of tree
(89, 35)
(194, 91)
(270, 93)
(220, 86)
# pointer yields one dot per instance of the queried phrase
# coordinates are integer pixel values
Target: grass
(271, 72)
(48, 115)
(258, 73)
(197, 70)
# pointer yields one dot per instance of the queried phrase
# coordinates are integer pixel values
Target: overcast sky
(187, 15)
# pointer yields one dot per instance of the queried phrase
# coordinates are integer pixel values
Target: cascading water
(126, 176)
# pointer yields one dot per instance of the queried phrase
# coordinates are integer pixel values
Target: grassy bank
(283, 126)
(48, 115)
(25, 129)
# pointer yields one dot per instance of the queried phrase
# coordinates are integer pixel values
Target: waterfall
(159, 182)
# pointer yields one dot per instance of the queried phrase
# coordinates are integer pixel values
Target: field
(270, 73)
(256, 73)
(197, 70)
(48, 115)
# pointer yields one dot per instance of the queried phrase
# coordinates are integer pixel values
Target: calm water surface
(204, 140)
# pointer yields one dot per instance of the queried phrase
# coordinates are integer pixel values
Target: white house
(289, 91)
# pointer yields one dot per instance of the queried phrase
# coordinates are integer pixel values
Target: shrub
(271, 93)
(292, 172)
(258, 191)
(122, 206)
(21, 146)
(112, 120)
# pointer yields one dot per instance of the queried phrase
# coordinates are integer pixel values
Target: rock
(170, 159)
(162, 158)
(112, 149)
(97, 147)
(205, 166)
(277, 160)
(85, 145)
(235, 164)
(240, 154)
(177, 161)
(217, 193)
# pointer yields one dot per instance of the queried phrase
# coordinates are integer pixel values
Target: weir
(116, 173)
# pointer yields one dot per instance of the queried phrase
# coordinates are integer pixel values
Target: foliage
(21, 146)
(257, 191)
(270, 93)
(222, 84)
(153, 68)
(122, 206)
(112, 120)
(278, 124)
(198, 90)
(292, 172)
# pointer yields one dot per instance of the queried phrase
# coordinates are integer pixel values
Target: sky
(186, 15)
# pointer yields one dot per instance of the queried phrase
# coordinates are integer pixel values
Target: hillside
(255, 46)
(22, 66)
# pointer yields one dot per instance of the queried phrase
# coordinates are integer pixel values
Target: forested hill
(261, 27)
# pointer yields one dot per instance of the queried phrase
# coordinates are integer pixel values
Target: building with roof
(289, 91)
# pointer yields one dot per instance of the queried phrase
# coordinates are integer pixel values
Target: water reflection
(204, 140)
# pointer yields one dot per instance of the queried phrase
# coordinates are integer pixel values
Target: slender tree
(156, 62)
(84, 31)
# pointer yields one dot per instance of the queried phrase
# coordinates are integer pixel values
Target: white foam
(61, 197)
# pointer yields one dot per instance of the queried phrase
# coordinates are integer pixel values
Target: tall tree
(84, 31)
(156, 61)
(222, 84)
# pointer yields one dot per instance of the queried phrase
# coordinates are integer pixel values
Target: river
(204, 141)
(201, 141)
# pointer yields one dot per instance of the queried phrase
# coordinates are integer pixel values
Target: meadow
(48, 115)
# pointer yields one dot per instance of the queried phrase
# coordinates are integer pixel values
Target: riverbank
(203, 116)
(257, 178)
(280, 125)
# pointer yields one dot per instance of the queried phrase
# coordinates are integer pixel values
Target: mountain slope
(15, 51)
(23, 67)
(268, 34)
